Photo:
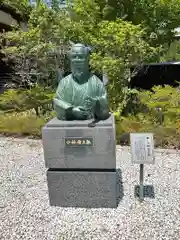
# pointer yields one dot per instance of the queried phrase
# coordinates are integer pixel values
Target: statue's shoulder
(95, 79)
(65, 80)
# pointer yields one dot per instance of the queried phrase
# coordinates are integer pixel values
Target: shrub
(38, 98)
(165, 98)
(167, 135)
(19, 100)
(24, 123)
(166, 132)
(164, 124)
(12, 100)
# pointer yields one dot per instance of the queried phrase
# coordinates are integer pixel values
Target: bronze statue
(81, 95)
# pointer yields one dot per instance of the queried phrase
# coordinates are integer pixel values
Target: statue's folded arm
(61, 103)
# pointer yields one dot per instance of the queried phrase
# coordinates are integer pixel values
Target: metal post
(160, 113)
(141, 186)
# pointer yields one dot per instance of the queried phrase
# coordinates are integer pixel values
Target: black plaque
(78, 141)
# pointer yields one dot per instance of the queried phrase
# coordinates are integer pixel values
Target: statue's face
(79, 61)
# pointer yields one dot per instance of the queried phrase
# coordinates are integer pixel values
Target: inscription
(77, 142)
(142, 148)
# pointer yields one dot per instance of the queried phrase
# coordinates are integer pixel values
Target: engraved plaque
(78, 141)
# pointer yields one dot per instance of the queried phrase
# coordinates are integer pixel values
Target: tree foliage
(159, 18)
(37, 53)
(121, 33)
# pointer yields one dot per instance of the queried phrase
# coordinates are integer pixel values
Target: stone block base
(84, 189)
(100, 154)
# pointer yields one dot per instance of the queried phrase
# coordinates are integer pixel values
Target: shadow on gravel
(120, 189)
(148, 191)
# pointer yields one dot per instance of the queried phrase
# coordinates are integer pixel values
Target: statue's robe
(71, 94)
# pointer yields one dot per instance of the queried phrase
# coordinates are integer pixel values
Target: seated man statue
(81, 95)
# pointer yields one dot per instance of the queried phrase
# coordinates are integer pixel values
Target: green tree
(159, 18)
(120, 32)
(39, 52)
(118, 44)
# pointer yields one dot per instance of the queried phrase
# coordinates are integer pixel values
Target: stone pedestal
(81, 162)
(89, 189)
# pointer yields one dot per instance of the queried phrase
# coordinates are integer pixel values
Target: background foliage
(120, 33)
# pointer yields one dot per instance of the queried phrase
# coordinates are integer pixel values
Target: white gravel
(25, 212)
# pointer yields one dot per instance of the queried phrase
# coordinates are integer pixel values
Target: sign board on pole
(142, 148)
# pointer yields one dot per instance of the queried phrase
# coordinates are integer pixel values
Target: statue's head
(79, 59)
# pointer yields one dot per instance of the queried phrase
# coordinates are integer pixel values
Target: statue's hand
(101, 109)
(79, 109)
(80, 113)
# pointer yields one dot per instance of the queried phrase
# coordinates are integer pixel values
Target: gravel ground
(25, 212)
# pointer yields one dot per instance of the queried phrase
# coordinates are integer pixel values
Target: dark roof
(4, 27)
(156, 64)
(162, 63)
(11, 11)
